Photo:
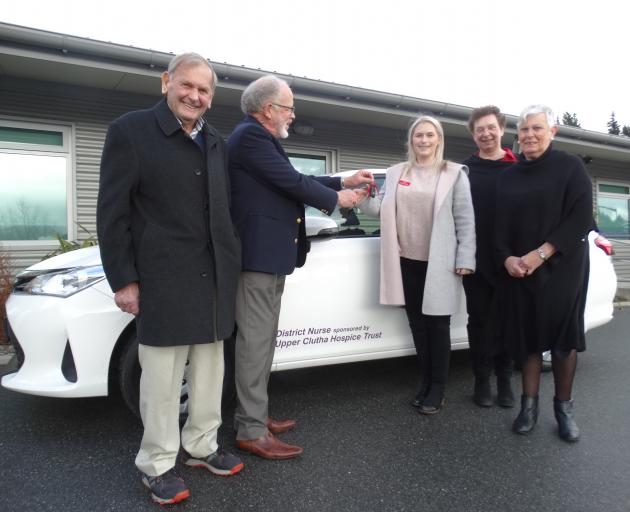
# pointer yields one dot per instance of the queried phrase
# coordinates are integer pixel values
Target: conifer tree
(613, 125)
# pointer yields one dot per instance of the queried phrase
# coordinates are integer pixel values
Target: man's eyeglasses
(291, 109)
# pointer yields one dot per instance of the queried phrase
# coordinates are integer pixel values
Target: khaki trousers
(160, 389)
(257, 313)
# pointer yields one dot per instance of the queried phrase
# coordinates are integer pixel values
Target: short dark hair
(487, 110)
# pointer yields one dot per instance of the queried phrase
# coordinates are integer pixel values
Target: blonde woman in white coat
(427, 244)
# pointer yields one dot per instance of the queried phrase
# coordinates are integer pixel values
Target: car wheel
(228, 397)
(546, 361)
(129, 379)
(129, 375)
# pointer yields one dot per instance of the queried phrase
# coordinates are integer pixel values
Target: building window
(613, 201)
(313, 162)
(35, 173)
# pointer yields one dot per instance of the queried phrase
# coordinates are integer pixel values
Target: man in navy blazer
(268, 197)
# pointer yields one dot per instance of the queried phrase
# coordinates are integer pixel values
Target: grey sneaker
(166, 488)
(220, 463)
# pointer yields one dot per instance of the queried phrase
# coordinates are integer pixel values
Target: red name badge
(404, 183)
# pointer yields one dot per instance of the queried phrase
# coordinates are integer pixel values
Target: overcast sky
(570, 55)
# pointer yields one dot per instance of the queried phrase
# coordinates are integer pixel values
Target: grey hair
(537, 109)
(261, 91)
(439, 151)
(191, 59)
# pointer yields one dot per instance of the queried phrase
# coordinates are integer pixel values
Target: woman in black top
(544, 213)
(487, 126)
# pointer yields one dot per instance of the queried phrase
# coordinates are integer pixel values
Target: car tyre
(546, 361)
(129, 375)
(228, 397)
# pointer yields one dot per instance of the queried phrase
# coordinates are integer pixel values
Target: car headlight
(59, 283)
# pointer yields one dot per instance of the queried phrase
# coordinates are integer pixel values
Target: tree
(6, 282)
(625, 130)
(569, 119)
(613, 125)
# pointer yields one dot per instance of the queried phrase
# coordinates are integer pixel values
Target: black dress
(544, 200)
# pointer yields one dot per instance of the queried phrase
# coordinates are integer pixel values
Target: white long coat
(452, 242)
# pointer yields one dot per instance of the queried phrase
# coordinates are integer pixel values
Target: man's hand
(464, 271)
(349, 198)
(359, 178)
(128, 299)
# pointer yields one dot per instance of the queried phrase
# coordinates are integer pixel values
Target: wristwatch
(542, 254)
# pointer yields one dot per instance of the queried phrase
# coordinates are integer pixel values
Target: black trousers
(485, 349)
(431, 334)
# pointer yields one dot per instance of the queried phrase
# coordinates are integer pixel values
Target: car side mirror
(320, 228)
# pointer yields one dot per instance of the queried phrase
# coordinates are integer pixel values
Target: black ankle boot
(505, 395)
(482, 395)
(526, 420)
(567, 428)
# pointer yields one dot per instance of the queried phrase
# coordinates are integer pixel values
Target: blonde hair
(439, 162)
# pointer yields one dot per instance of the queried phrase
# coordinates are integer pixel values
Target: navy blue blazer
(268, 197)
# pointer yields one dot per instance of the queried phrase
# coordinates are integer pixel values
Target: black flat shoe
(432, 409)
(416, 402)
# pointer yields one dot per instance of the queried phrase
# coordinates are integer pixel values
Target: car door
(330, 307)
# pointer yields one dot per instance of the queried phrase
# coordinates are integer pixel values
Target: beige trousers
(160, 389)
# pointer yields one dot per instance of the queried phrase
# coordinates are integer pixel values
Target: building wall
(90, 111)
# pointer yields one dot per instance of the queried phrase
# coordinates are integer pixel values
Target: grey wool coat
(163, 221)
(452, 242)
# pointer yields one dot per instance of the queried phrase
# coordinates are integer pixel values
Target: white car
(72, 340)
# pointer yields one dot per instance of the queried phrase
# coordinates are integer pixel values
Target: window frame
(613, 195)
(66, 150)
(330, 155)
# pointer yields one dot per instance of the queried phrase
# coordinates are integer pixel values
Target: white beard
(283, 133)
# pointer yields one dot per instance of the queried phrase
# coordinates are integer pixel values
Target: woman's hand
(464, 271)
(515, 266)
(534, 259)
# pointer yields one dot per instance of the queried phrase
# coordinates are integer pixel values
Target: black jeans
(486, 352)
(431, 334)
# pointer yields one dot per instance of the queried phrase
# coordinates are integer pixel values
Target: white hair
(264, 90)
(537, 109)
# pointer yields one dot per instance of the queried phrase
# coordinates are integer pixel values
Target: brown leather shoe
(280, 426)
(269, 447)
